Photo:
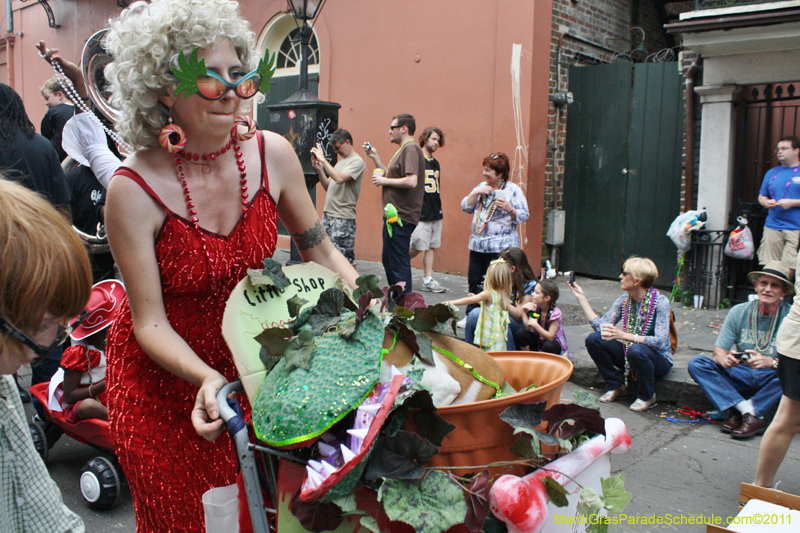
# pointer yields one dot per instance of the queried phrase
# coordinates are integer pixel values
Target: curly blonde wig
(145, 39)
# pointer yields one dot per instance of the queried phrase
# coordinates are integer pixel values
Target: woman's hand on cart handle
(205, 414)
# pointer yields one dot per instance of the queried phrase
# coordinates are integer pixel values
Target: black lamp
(304, 11)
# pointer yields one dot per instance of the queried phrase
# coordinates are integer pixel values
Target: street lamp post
(303, 118)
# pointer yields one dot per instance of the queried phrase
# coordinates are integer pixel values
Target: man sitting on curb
(751, 370)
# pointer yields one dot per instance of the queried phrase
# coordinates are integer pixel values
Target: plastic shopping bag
(740, 244)
(681, 228)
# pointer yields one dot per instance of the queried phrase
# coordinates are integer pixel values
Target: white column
(717, 136)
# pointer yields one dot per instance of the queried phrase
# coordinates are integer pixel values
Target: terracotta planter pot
(480, 436)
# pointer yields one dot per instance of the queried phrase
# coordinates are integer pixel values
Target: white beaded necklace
(66, 83)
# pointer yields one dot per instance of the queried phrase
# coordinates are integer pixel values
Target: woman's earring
(172, 137)
(249, 125)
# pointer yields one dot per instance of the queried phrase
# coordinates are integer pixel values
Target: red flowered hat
(103, 303)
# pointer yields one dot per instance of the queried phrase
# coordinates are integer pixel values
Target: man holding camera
(750, 371)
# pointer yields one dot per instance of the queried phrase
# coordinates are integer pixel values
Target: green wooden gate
(622, 173)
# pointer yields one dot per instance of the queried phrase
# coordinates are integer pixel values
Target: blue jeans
(726, 387)
(395, 257)
(646, 363)
(472, 323)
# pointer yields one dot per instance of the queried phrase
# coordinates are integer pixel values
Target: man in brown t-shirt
(403, 186)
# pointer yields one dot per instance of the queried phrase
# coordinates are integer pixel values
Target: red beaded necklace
(189, 156)
(192, 156)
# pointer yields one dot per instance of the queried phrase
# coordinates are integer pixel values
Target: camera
(367, 146)
(742, 356)
(572, 278)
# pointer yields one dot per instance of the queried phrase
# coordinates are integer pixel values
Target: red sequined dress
(167, 464)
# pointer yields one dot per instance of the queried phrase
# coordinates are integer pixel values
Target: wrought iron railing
(716, 4)
(708, 269)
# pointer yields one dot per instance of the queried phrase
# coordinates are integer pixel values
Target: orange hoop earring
(172, 137)
(250, 127)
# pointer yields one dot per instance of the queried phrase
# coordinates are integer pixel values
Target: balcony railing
(716, 4)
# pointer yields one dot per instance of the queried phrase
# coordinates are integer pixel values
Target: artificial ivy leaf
(523, 448)
(565, 445)
(524, 415)
(298, 353)
(615, 497)
(347, 504)
(411, 300)
(367, 522)
(272, 274)
(506, 390)
(545, 438)
(426, 318)
(399, 457)
(275, 340)
(187, 73)
(316, 515)
(368, 284)
(478, 502)
(294, 304)
(566, 420)
(590, 502)
(430, 425)
(556, 493)
(404, 334)
(403, 312)
(425, 346)
(327, 311)
(584, 399)
(363, 304)
(431, 505)
(269, 361)
(494, 525)
(300, 320)
(598, 526)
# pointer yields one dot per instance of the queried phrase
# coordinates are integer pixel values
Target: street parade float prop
(371, 418)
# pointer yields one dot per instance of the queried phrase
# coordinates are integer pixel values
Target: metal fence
(709, 270)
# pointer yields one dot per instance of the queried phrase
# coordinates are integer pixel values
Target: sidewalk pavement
(697, 330)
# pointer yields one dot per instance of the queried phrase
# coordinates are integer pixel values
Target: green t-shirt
(340, 200)
(736, 328)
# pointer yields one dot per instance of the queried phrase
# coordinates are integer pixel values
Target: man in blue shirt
(780, 194)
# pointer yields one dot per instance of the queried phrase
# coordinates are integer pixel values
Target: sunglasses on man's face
(42, 351)
(212, 86)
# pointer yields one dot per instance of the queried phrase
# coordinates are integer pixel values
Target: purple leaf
(478, 502)
(411, 300)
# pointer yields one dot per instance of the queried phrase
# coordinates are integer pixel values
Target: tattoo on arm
(310, 238)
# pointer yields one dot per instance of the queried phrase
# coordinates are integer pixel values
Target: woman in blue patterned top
(641, 344)
(497, 206)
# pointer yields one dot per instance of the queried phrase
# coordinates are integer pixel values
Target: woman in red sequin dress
(183, 233)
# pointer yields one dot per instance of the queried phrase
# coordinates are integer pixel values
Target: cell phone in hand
(572, 278)
(368, 146)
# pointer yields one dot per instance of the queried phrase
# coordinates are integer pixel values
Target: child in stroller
(79, 387)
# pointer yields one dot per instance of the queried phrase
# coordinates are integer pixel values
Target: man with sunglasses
(744, 382)
(343, 185)
(403, 186)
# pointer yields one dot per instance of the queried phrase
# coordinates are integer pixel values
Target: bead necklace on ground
(194, 157)
(761, 343)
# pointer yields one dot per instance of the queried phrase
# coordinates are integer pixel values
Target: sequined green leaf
(187, 73)
(298, 352)
(266, 69)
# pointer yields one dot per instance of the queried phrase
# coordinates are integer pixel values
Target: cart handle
(225, 411)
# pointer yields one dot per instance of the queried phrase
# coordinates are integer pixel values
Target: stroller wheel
(39, 440)
(100, 483)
